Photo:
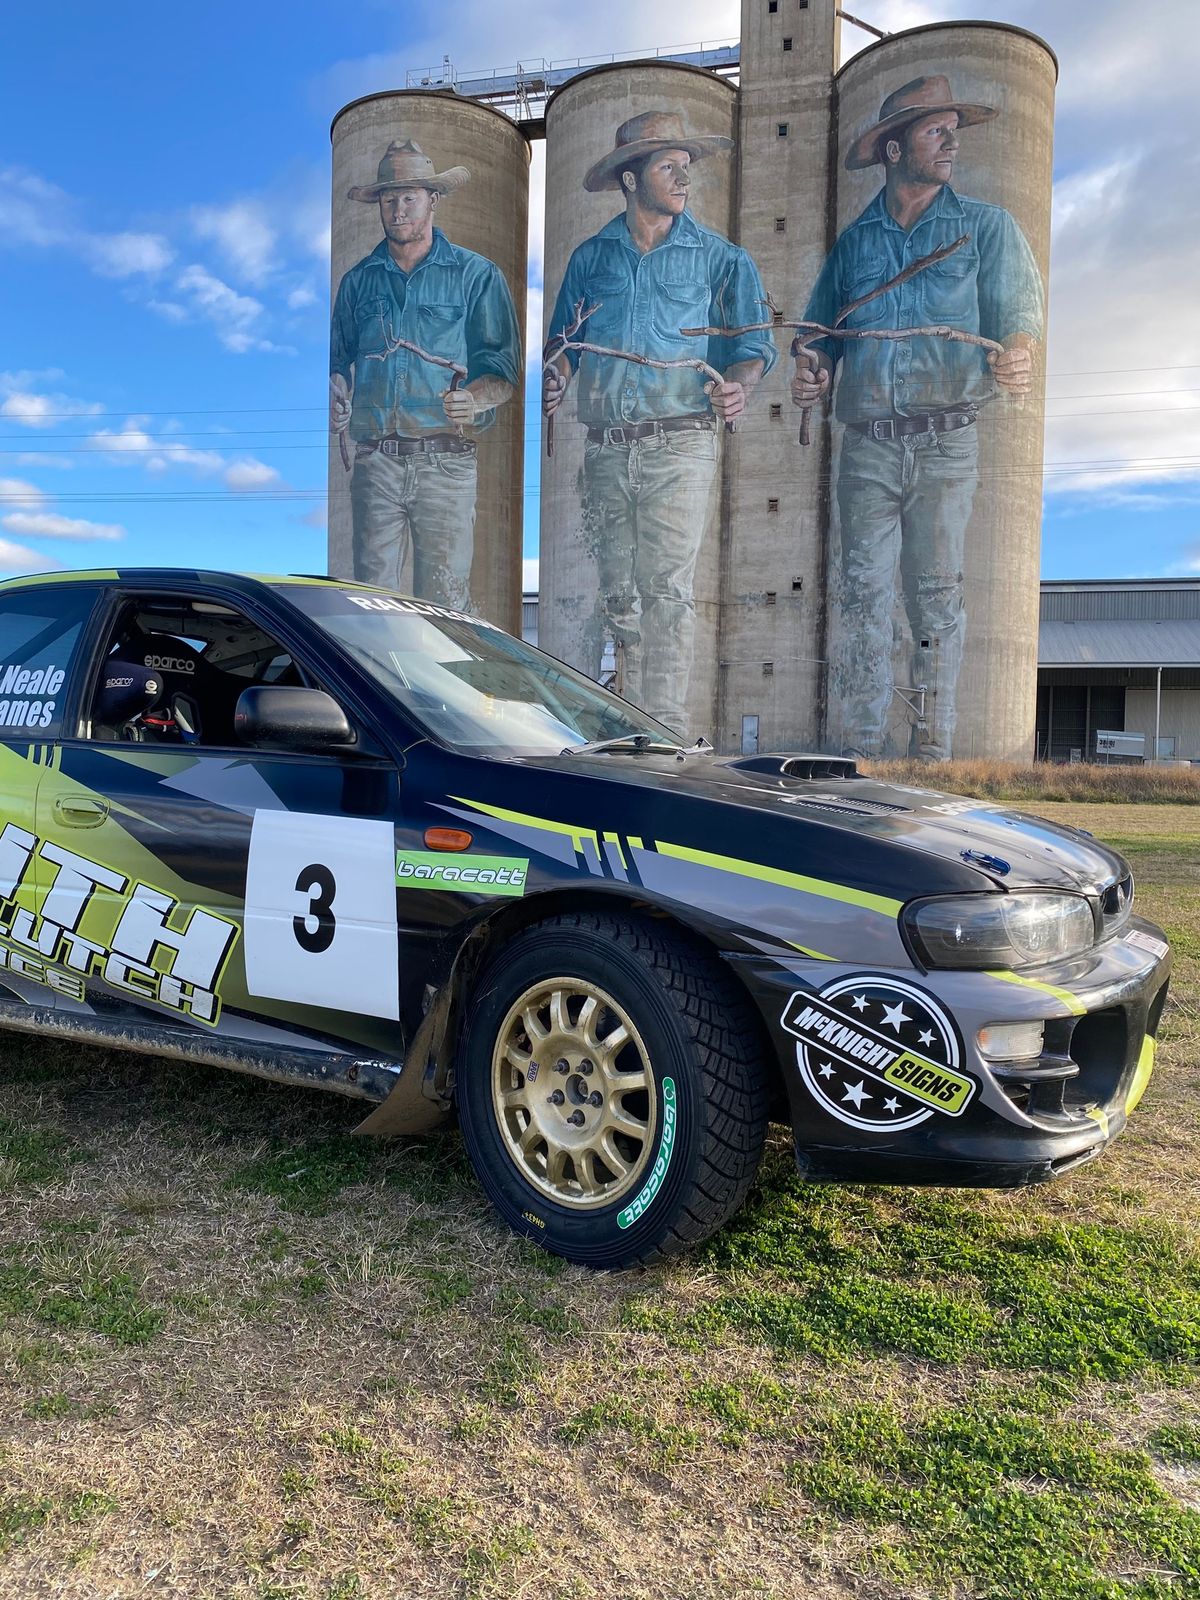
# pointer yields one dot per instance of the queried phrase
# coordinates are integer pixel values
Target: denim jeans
(904, 505)
(423, 501)
(647, 507)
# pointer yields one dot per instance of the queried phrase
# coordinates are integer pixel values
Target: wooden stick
(566, 341)
(393, 344)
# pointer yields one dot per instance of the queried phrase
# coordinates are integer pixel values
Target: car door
(41, 626)
(242, 897)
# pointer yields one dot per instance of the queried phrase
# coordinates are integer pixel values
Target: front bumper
(886, 1082)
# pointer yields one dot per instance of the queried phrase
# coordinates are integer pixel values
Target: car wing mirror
(278, 717)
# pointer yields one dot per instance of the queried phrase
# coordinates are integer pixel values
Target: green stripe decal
(1141, 1077)
(1064, 996)
(787, 880)
(576, 834)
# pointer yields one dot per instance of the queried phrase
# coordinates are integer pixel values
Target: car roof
(165, 576)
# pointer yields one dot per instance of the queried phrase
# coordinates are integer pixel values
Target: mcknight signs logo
(466, 874)
(878, 1053)
(27, 695)
(155, 952)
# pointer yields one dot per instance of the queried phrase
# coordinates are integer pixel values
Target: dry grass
(242, 1356)
(1041, 781)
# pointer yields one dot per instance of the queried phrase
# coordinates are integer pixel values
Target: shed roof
(1119, 644)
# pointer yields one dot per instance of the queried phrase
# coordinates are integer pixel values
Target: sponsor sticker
(878, 1053)
(462, 874)
(645, 1196)
(1147, 941)
(27, 694)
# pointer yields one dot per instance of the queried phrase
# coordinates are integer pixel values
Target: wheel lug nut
(562, 1066)
(557, 1098)
(586, 1068)
(576, 1119)
(595, 1098)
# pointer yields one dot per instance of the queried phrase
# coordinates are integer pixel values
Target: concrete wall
(1006, 161)
(775, 513)
(488, 215)
(581, 124)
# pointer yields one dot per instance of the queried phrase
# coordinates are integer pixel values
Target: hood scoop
(803, 767)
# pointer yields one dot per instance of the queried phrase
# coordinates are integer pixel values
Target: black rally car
(330, 835)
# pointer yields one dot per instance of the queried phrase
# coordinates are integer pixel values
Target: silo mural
(636, 406)
(426, 350)
(933, 296)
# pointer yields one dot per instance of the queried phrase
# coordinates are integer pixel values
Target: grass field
(243, 1355)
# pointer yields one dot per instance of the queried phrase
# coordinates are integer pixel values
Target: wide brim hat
(642, 136)
(406, 166)
(923, 97)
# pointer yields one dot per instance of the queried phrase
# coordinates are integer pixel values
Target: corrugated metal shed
(1119, 644)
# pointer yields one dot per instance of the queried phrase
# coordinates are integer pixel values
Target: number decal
(318, 882)
(320, 924)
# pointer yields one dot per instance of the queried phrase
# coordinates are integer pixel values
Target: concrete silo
(639, 207)
(944, 133)
(774, 531)
(430, 207)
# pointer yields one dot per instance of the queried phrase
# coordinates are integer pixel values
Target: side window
(173, 669)
(39, 634)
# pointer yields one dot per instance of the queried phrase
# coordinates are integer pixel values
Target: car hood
(971, 837)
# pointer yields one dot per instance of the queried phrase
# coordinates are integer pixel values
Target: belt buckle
(616, 435)
(389, 447)
(883, 429)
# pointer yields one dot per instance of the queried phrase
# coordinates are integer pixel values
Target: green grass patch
(1178, 1442)
(33, 1155)
(308, 1178)
(1019, 1507)
(23, 1515)
(836, 1272)
(76, 1287)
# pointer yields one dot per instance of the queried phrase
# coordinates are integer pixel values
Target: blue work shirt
(990, 286)
(453, 303)
(694, 278)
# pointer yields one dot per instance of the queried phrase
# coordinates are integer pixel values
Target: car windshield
(473, 686)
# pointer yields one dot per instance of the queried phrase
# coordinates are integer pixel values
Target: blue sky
(164, 207)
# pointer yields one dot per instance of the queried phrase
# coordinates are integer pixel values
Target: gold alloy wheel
(573, 1093)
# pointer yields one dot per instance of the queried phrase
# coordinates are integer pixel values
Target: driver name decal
(878, 1053)
(27, 695)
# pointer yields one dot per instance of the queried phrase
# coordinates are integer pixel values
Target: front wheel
(611, 1089)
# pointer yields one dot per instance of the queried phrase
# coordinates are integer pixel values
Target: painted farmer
(909, 458)
(650, 465)
(413, 422)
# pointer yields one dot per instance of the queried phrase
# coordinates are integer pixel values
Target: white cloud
(50, 525)
(128, 255)
(121, 442)
(171, 310)
(20, 489)
(16, 558)
(33, 408)
(301, 297)
(249, 474)
(529, 575)
(243, 235)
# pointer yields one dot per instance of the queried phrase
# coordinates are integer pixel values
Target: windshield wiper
(624, 741)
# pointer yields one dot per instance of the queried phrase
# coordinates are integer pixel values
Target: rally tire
(705, 1108)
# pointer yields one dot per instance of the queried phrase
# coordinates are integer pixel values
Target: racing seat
(196, 701)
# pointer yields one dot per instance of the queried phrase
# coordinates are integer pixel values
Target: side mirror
(282, 718)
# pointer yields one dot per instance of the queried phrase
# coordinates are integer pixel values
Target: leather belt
(627, 432)
(392, 444)
(906, 427)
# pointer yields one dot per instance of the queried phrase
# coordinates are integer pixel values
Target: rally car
(339, 837)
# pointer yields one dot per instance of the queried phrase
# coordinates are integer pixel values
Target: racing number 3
(321, 912)
(320, 885)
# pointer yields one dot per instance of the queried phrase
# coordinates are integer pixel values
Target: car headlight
(1020, 929)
